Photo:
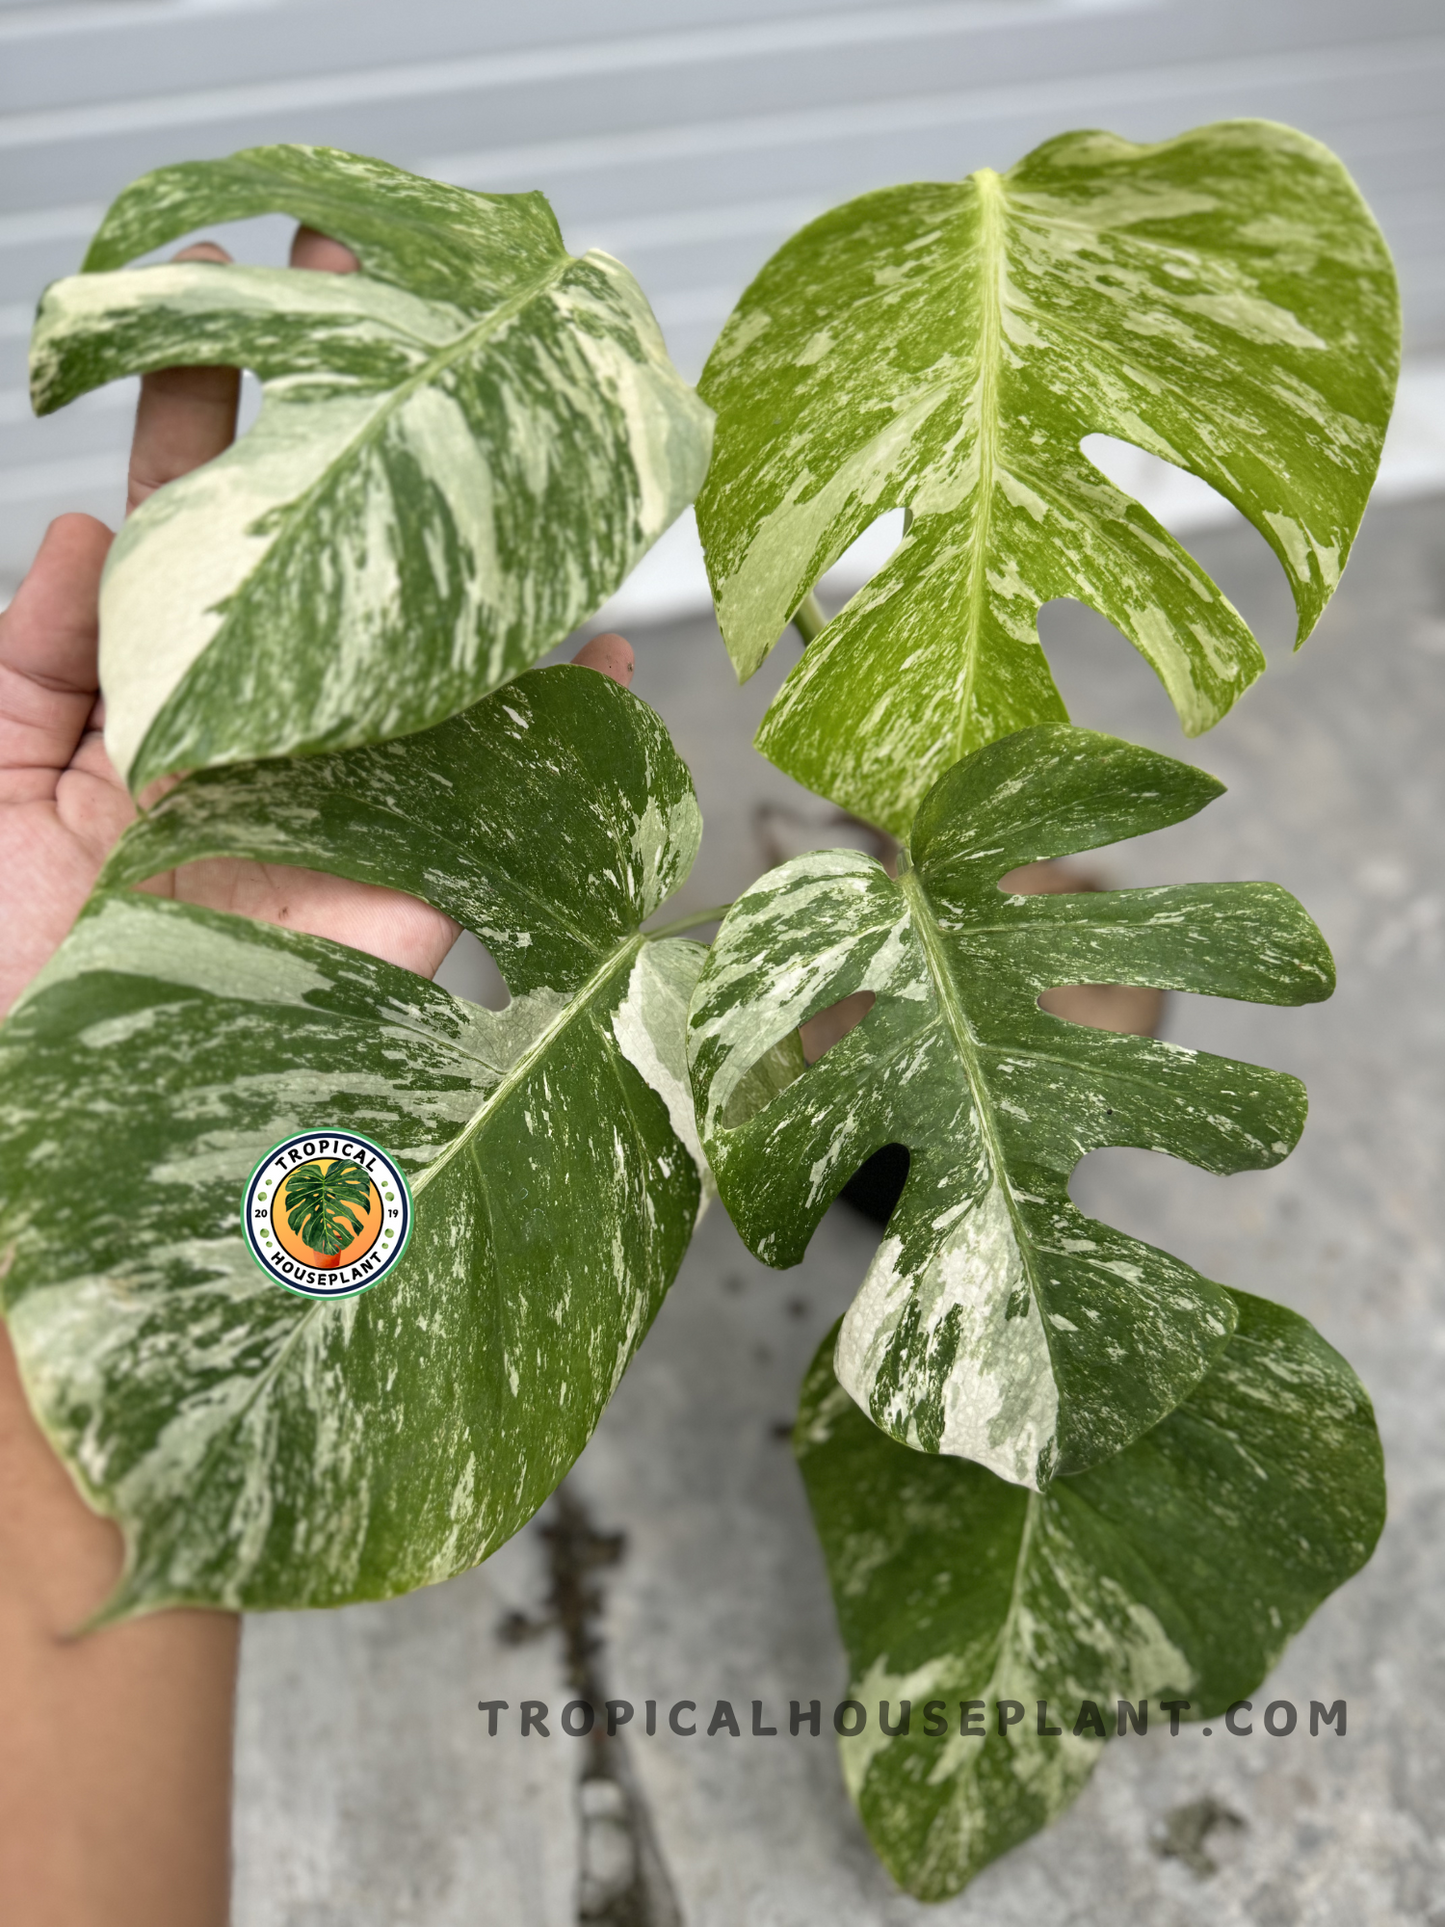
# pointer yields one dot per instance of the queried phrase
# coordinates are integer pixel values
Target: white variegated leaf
(1177, 1570)
(996, 1322)
(1223, 300)
(462, 450)
(261, 1449)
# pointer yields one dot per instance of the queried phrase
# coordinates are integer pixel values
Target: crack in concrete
(1187, 1827)
(623, 1880)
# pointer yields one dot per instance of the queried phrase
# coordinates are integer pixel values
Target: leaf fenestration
(996, 1322)
(462, 450)
(1223, 300)
(264, 1450)
(1178, 1569)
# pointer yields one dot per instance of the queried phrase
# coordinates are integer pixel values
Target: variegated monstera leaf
(996, 1322)
(1223, 300)
(262, 1449)
(462, 451)
(1175, 1572)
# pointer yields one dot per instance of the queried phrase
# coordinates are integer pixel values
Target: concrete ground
(369, 1791)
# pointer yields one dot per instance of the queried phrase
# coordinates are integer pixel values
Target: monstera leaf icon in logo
(327, 1214)
(321, 1204)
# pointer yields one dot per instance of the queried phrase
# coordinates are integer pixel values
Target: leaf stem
(714, 914)
(808, 618)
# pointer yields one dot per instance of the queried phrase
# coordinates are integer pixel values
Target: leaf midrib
(991, 259)
(578, 1005)
(1008, 1625)
(969, 1054)
(1109, 354)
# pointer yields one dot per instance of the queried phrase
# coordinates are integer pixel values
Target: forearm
(115, 1748)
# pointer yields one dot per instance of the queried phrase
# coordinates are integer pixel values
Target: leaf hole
(786, 830)
(1243, 1226)
(792, 1056)
(819, 1034)
(1238, 558)
(257, 241)
(1182, 502)
(469, 970)
(1132, 1009)
(865, 556)
(876, 1186)
(1049, 877)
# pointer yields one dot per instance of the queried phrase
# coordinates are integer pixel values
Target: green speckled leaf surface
(1223, 300)
(1177, 1570)
(462, 450)
(261, 1449)
(996, 1322)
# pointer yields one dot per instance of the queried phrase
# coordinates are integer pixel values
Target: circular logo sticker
(327, 1213)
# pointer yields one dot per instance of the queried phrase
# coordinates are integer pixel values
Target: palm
(62, 806)
(55, 827)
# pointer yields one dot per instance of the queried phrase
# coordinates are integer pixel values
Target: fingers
(185, 416)
(48, 639)
(319, 252)
(610, 654)
(385, 923)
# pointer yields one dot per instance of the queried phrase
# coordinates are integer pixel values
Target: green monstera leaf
(996, 1322)
(262, 1449)
(1223, 300)
(462, 451)
(1178, 1571)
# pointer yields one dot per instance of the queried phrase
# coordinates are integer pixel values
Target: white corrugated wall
(687, 136)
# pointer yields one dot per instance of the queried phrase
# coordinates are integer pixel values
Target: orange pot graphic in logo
(327, 1213)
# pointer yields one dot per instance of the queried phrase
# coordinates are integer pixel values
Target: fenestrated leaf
(461, 452)
(261, 1449)
(1223, 300)
(1178, 1570)
(996, 1321)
